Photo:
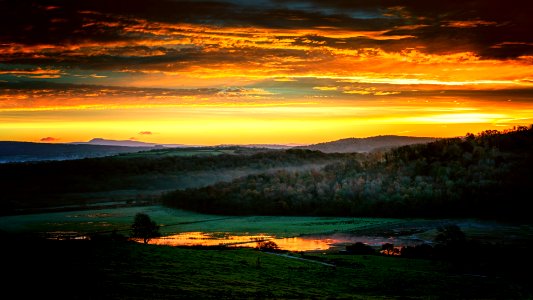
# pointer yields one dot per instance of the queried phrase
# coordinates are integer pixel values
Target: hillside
(127, 143)
(486, 176)
(26, 151)
(123, 143)
(365, 145)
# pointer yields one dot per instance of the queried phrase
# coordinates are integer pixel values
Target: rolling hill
(26, 151)
(127, 143)
(365, 145)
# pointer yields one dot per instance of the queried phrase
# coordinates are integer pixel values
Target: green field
(175, 221)
(187, 152)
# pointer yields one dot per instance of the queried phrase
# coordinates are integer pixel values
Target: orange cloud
(325, 88)
(49, 139)
(469, 24)
(205, 55)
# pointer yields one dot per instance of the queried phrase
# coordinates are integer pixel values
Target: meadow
(174, 221)
(104, 221)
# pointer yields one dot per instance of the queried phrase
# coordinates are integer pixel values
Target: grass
(123, 270)
(106, 269)
(176, 221)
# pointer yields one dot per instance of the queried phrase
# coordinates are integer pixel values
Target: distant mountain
(266, 146)
(369, 144)
(98, 147)
(25, 151)
(125, 143)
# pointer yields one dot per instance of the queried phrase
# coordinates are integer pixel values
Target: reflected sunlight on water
(302, 243)
(208, 239)
(217, 239)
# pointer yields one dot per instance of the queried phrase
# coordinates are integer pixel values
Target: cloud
(145, 133)
(468, 23)
(232, 44)
(49, 139)
(368, 91)
(36, 73)
(170, 40)
(325, 88)
(244, 92)
(48, 95)
(107, 35)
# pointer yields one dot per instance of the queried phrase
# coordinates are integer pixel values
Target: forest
(485, 175)
(137, 176)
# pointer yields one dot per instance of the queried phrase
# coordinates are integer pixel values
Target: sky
(258, 72)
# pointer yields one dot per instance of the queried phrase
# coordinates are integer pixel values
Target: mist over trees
(484, 175)
(55, 183)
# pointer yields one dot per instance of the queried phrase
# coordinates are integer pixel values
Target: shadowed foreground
(126, 270)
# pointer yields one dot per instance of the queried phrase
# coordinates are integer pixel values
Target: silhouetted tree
(144, 228)
(267, 245)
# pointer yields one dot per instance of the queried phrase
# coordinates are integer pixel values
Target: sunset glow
(205, 239)
(244, 72)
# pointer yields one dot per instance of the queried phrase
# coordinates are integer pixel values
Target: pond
(335, 241)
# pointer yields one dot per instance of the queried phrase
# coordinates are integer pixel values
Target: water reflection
(224, 239)
(301, 243)
(304, 243)
(209, 239)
